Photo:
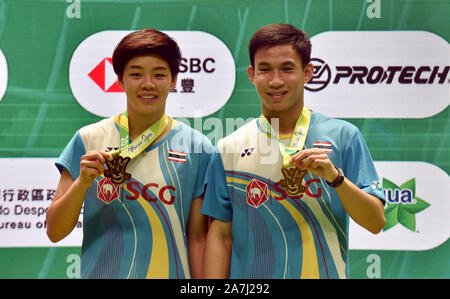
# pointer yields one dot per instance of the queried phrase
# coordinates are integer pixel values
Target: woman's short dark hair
(146, 42)
(280, 34)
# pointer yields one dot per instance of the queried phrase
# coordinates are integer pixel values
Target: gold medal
(117, 169)
(292, 182)
(293, 176)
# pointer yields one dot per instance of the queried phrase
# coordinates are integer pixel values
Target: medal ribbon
(139, 144)
(298, 137)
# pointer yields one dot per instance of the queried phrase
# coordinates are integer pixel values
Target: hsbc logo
(207, 71)
(3, 75)
(104, 78)
(379, 74)
(103, 73)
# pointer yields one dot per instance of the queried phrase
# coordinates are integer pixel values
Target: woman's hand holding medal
(92, 165)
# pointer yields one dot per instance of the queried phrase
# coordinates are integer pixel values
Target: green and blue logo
(402, 204)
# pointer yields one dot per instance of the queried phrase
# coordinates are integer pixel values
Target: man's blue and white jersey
(287, 223)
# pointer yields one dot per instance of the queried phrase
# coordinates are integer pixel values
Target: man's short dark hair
(280, 34)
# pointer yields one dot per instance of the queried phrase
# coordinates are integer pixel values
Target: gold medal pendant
(292, 175)
(292, 182)
(117, 169)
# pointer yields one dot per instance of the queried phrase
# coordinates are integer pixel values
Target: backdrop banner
(382, 65)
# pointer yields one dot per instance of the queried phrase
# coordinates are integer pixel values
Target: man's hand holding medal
(317, 162)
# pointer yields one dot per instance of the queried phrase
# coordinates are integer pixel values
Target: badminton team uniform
(287, 223)
(137, 229)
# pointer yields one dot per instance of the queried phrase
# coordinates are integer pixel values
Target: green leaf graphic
(418, 207)
(403, 212)
(387, 184)
(411, 185)
(407, 219)
(391, 218)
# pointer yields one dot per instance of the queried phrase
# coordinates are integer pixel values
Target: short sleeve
(71, 156)
(216, 202)
(359, 168)
(201, 149)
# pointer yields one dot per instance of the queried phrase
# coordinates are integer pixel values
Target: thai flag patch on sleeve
(177, 156)
(326, 146)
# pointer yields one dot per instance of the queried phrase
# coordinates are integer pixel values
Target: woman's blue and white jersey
(137, 230)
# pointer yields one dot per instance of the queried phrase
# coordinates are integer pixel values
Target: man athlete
(292, 177)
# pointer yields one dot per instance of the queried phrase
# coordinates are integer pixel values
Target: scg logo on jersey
(207, 71)
(416, 209)
(391, 74)
(3, 75)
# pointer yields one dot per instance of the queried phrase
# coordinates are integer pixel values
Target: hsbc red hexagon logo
(104, 76)
(107, 191)
(256, 192)
(207, 70)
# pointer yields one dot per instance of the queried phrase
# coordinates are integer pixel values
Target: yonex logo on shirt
(247, 152)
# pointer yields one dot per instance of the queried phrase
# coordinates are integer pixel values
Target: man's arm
(197, 228)
(365, 209)
(218, 250)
